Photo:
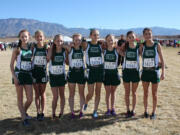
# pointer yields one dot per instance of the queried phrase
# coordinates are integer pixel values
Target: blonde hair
(76, 34)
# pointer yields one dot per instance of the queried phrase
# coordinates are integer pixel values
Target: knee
(55, 98)
(97, 95)
(29, 100)
(134, 94)
(90, 94)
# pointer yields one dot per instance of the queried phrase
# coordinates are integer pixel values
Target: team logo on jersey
(131, 55)
(94, 49)
(58, 59)
(110, 57)
(40, 53)
(149, 53)
(27, 54)
(77, 56)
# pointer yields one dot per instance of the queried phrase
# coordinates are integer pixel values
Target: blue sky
(109, 14)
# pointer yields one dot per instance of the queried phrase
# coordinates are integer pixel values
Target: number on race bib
(77, 63)
(26, 65)
(94, 61)
(131, 64)
(57, 70)
(110, 65)
(40, 60)
(149, 62)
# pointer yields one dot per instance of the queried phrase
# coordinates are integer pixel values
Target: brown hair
(92, 30)
(54, 45)
(146, 29)
(20, 42)
(109, 36)
(127, 43)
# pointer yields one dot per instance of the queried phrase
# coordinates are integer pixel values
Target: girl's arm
(68, 47)
(162, 61)
(13, 58)
(140, 49)
(49, 53)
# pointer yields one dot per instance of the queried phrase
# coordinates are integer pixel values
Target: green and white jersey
(110, 59)
(150, 57)
(24, 62)
(76, 59)
(57, 65)
(39, 59)
(94, 55)
(131, 59)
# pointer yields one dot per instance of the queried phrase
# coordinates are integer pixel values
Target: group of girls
(100, 59)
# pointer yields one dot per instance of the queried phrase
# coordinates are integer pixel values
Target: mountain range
(10, 28)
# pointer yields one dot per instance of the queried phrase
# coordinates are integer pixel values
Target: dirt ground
(168, 111)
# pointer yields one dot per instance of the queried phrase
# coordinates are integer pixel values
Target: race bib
(110, 65)
(94, 61)
(149, 62)
(57, 70)
(77, 63)
(40, 60)
(26, 65)
(131, 64)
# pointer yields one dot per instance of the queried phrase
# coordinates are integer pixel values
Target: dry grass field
(168, 111)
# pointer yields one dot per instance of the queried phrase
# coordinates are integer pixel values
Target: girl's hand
(71, 44)
(162, 76)
(16, 82)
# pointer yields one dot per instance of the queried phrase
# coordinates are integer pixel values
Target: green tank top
(24, 62)
(76, 58)
(40, 54)
(94, 56)
(57, 65)
(131, 59)
(150, 56)
(110, 59)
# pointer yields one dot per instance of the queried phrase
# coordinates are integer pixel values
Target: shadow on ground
(64, 125)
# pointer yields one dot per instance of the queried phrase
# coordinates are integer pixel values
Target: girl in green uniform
(111, 76)
(22, 76)
(130, 71)
(151, 54)
(95, 71)
(57, 74)
(76, 73)
(39, 73)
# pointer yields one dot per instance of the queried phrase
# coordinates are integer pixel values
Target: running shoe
(146, 115)
(108, 113)
(25, 122)
(153, 116)
(113, 113)
(81, 115)
(85, 106)
(95, 114)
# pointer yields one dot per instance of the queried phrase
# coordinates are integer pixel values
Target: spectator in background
(121, 41)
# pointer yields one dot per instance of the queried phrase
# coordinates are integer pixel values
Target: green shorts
(111, 78)
(95, 75)
(39, 75)
(76, 76)
(24, 78)
(57, 80)
(130, 75)
(151, 76)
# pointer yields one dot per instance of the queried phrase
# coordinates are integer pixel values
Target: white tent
(67, 39)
